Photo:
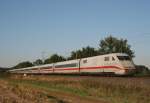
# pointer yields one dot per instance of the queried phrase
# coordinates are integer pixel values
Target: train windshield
(123, 58)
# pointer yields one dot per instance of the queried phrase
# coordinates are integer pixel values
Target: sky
(33, 29)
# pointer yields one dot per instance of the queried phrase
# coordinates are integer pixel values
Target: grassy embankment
(109, 89)
(12, 91)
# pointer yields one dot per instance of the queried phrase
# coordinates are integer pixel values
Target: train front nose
(126, 71)
(128, 66)
(130, 71)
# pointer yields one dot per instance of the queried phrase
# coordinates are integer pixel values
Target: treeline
(142, 70)
(107, 45)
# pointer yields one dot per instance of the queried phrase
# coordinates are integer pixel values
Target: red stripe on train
(98, 67)
(101, 67)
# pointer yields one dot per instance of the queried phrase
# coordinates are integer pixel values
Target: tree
(83, 53)
(88, 52)
(54, 58)
(38, 62)
(23, 65)
(75, 55)
(2, 69)
(113, 45)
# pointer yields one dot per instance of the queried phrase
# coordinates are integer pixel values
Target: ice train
(114, 63)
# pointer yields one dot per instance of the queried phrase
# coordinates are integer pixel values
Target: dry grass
(109, 89)
(17, 93)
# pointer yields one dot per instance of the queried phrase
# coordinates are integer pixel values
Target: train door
(109, 63)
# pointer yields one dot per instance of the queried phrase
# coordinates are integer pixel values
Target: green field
(73, 89)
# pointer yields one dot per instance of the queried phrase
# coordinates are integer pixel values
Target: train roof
(46, 65)
(117, 54)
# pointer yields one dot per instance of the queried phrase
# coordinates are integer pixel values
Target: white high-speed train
(115, 63)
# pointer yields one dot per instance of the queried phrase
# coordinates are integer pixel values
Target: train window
(34, 68)
(50, 67)
(106, 59)
(123, 57)
(113, 59)
(66, 65)
(84, 61)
